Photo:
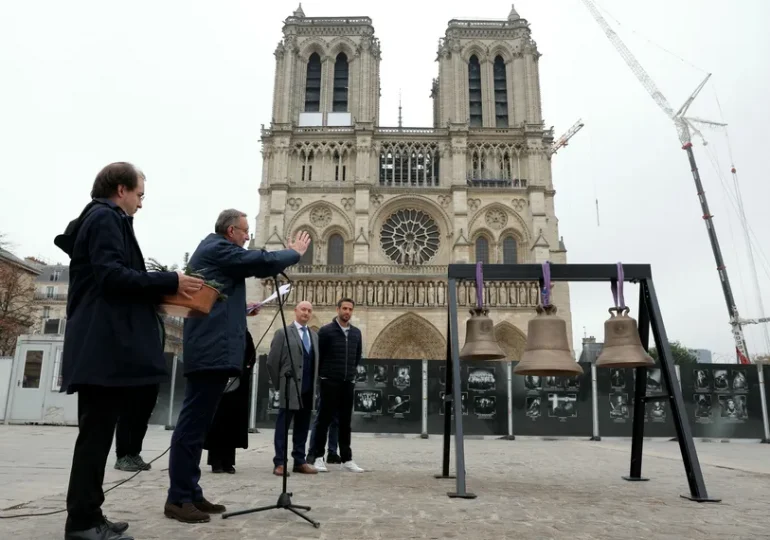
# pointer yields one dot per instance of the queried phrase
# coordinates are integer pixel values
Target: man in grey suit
(304, 351)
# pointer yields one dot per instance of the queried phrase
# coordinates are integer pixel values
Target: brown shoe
(305, 468)
(278, 471)
(186, 513)
(209, 508)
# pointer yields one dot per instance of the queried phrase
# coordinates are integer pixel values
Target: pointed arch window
(341, 79)
(307, 257)
(335, 254)
(501, 93)
(510, 250)
(482, 250)
(313, 84)
(474, 92)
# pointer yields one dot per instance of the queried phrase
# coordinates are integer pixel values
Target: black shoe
(333, 458)
(217, 470)
(127, 464)
(230, 469)
(140, 462)
(100, 532)
(117, 527)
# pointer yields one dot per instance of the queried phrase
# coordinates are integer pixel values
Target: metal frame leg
(640, 391)
(447, 400)
(698, 491)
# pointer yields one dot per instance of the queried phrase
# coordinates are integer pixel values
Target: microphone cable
(40, 514)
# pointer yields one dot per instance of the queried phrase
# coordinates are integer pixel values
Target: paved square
(528, 488)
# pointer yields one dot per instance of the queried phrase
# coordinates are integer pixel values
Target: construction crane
(685, 128)
(564, 139)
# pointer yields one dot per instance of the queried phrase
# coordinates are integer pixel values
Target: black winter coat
(339, 355)
(217, 341)
(113, 335)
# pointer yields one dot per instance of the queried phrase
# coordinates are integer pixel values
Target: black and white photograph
(655, 411)
(380, 375)
(551, 382)
(463, 404)
(702, 405)
(562, 405)
(399, 405)
(402, 377)
(367, 402)
(533, 382)
(740, 384)
(533, 407)
(701, 380)
(273, 400)
(618, 378)
(619, 409)
(733, 407)
(572, 383)
(481, 379)
(721, 382)
(654, 380)
(361, 374)
(485, 407)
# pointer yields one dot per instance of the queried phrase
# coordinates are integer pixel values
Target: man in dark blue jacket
(213, 351)
(340, 350)
(112, 343)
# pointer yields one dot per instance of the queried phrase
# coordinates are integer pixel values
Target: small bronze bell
(480, 341)
(547, 350)
(622, 345)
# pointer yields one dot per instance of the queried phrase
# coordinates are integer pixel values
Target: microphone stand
(284, 499)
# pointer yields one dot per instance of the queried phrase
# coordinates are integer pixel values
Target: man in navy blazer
(213, 351)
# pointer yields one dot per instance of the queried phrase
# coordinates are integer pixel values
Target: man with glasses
(214, 346)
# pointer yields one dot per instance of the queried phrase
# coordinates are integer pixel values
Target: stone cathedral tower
(389, 207)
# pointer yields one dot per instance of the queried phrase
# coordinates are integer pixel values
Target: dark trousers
(334, 432)
(132, 422)
(202, 395)
(301, 419)
(98, 410)
(222, 458)
(336, 398)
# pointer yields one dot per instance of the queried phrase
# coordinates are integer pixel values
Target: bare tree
(17, 307)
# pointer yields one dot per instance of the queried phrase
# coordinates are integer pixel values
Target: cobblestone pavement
(527, 489)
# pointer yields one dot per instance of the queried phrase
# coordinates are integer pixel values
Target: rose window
(410, 237)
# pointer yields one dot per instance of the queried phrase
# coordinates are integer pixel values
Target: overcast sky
(181, 87)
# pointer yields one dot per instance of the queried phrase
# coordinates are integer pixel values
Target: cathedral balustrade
(407, 293)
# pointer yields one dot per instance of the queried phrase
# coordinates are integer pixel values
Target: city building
(388, 208)
(17, 291)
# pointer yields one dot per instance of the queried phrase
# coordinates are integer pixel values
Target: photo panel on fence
(553, 406)
(723, 400)
(615, 389)
(387, 397)
(160, 412)
(484, 397)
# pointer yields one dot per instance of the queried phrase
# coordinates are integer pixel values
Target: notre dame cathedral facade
(389, 207)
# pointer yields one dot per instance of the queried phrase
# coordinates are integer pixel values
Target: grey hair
(227, 218)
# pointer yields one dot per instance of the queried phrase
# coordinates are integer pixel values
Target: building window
(56, 275)
(306, 165)
(57, 378)
(50, 292)
(46, 312)
(335, 255)
(340, 169)
(501, 94)
(474, 92)
(414, 164)
(33, 366)
(313, 84)
(482, 250)
(341, 78)
(510, 255)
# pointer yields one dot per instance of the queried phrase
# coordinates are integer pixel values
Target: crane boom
(683, 126)
(564, 139)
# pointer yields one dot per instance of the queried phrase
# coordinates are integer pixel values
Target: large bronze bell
(547, 350)
(622, 345)
(480, 341)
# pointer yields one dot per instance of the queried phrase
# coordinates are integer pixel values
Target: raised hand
(300, 242)
(188, 285)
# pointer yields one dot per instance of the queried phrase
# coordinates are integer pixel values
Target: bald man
(304, 353)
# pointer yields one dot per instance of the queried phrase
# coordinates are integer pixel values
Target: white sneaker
(351, 466)
(320, 465)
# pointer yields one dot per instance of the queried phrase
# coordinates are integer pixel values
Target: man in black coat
(340, 351)
(213, 352)
(112, 343)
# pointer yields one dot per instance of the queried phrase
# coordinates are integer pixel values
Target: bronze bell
(622, 345)
(480, 341)
(547, 350)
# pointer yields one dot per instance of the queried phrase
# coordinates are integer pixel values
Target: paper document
(284, 290)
